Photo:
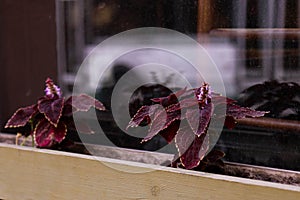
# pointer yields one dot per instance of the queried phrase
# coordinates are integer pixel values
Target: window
(252, 42)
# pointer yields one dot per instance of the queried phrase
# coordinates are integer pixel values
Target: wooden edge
(148, 157)
(29, 173)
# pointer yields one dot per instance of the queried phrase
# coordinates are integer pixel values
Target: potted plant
(49, 121)
(47, 174)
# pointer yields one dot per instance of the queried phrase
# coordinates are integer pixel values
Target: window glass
(254, 44)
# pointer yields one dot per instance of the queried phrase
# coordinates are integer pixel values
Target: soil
(257, 173)
(260, 174)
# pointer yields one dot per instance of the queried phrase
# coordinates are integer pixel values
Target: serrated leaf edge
(66, 130)
(170, 122)
(59, 116)
(35, 128)
(92, 105)
(131, 122)
(16, 126)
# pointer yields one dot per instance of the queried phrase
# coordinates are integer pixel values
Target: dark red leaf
(84, 102)
(169, 100)
(165, 101)
(161, 121)
(21, 116)
(170, 132)
(199, 118)
(144, 113)
(230, 122)
(59, 132)
(52, 109)
(157, 125)
(199, 106)
(196, 152)
(218, 99)
(46, 134)
(41, 134)
(185, 103)
(191, 148)
(68, 110)
(184, 138)
(187, 94)
(239, 112)
(181, 92)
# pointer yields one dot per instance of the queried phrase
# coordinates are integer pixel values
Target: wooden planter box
(31, 173)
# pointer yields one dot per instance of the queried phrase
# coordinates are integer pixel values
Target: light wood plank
(28, 173)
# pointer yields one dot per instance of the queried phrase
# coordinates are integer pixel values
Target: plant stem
(17, 137)
(23, 142)
(32, 128)
(32, 141)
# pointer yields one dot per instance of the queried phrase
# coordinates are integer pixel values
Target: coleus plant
(49, 120)
(185, 116)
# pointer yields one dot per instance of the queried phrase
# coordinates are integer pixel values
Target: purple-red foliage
(51, 117)
(194, 108)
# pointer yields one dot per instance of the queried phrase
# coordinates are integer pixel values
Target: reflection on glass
(251, 41)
